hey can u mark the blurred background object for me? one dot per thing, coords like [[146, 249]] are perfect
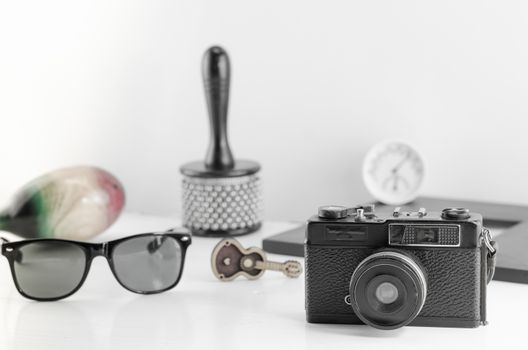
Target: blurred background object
[[113, 84], [70, 203], [221, 194], [393, 172]]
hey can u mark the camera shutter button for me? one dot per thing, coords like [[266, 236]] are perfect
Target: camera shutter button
[[455, 213], [333, 212]]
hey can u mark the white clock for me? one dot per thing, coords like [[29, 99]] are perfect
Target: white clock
[[393, 172]]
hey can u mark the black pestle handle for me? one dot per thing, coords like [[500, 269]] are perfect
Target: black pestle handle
[[216, 76]]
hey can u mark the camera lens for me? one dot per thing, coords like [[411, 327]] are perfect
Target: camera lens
[[388, 289], [386, 293]]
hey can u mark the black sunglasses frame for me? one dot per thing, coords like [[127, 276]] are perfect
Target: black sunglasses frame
[[92, 250]]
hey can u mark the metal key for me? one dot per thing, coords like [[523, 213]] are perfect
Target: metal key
[[230, 260]]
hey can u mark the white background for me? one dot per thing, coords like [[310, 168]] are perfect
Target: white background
[[315, 84]]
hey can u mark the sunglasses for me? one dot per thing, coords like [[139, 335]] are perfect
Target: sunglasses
[[51, 269]]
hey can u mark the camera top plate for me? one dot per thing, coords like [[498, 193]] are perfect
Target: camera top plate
[[367, 213], [362, 226]]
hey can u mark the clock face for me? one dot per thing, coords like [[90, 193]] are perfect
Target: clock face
[[393, 172]]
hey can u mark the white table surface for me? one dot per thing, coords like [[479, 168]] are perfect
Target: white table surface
[[204, 313]]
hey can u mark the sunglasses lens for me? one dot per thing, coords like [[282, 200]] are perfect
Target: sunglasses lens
[[148, 264], [48, 270]]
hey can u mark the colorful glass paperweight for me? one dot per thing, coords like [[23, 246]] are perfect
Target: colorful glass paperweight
[[71, 203]]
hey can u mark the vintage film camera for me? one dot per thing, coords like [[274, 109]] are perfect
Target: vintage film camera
[[388, 271]]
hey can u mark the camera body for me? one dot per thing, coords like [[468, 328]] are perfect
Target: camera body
[[394, 269]]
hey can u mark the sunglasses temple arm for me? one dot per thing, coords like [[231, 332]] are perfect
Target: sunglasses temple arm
[[153, 246], [177, 230], [18, 254]]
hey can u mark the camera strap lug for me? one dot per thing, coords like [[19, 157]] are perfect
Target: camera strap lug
[[491, 246]]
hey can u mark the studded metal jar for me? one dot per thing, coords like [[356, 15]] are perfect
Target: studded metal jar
[[222, 205]]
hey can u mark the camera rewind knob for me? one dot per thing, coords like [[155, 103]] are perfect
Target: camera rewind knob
[[360, 212], [333, 212]]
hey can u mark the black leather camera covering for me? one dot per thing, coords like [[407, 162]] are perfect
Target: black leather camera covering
[[454, 294]]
